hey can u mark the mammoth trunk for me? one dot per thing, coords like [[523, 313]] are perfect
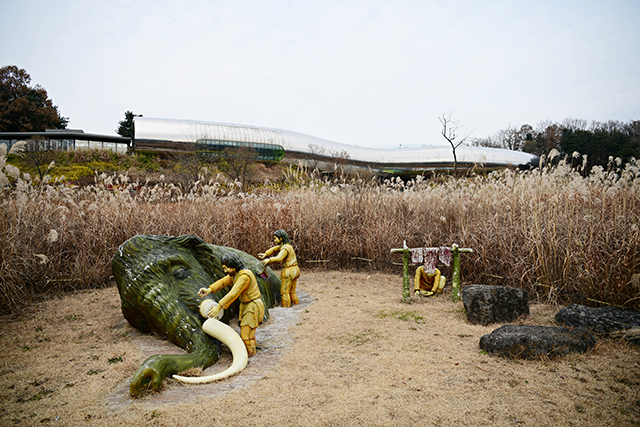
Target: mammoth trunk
[[156, 368], [172, 318]]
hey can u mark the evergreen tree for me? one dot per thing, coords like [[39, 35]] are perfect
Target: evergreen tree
[[125, 127]]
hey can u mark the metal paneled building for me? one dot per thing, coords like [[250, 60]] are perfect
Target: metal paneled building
[[301, 148]]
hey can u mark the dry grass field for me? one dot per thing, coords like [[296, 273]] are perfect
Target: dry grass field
[[351, 354], [563, 237]]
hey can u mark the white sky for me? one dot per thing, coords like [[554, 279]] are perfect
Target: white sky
[[369, 73]]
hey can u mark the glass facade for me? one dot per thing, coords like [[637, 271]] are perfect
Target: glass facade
[[66, 141], [256, 150], [156, 132]]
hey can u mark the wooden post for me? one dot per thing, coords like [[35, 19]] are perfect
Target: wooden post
[[406, 293], [455, 273], [455, 270], [406, 283]]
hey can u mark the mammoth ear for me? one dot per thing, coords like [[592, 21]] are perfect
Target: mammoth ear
[[203, 253]]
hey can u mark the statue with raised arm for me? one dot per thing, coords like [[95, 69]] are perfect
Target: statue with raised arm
[[290, 270], [245, 289]]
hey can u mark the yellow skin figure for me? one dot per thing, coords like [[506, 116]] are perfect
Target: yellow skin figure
[[245, 288], [290, 270], [428, 284]]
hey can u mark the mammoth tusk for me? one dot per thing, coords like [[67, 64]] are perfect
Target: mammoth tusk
[[207, 305], [225, 334]]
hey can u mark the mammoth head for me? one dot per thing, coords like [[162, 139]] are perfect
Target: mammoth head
[[152, 271]]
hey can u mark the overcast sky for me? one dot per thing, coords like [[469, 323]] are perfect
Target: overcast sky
[[369, 73]]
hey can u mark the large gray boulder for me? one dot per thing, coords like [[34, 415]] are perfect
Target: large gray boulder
[[494, 304], [608, 321], [532, 342]]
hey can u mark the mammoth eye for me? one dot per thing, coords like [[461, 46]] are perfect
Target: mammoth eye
[[181, 273]]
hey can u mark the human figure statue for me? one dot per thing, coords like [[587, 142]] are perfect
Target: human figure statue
[[290, 270], [245, 288], [428, 284]]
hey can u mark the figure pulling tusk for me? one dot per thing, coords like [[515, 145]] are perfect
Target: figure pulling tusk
[[225, 334]]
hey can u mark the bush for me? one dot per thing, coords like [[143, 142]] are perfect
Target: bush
[[148, 162], [70, 173]]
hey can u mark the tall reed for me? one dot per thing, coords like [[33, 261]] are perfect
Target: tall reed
[[563, 237]]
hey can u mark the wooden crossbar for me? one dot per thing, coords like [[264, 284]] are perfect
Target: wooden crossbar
[[455, 274]]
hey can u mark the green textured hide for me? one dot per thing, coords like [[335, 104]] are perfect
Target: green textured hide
[[158, 278]]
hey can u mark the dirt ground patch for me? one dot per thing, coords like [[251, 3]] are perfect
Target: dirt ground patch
[[350, 354]]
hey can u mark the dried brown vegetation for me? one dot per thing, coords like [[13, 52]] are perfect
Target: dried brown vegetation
[[564, 237]]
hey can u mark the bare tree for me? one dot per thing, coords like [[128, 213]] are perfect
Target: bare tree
[[450, 128], [575, 124], [489, 142], [317, 153], [510, 138], [238, 164], [188, 167], [340, 160], [39, 157]]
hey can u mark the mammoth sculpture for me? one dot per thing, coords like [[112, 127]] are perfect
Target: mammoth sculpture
[[158, 278]]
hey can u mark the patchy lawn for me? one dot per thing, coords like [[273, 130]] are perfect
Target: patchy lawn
[[350, 354]]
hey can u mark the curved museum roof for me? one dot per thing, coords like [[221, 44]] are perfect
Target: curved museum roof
[[190, 131]]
